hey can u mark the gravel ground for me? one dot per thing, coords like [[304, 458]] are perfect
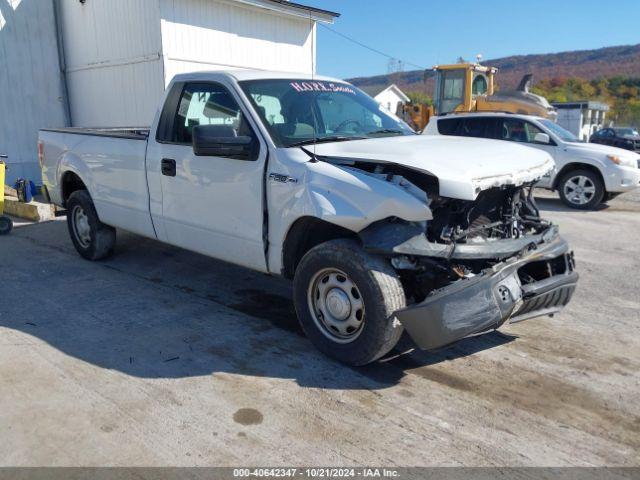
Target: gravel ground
[[162, 357]]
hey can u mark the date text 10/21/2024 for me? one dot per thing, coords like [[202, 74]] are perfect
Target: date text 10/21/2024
[[316, 472]]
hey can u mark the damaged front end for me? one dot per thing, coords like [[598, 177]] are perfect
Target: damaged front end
[[476, 264]]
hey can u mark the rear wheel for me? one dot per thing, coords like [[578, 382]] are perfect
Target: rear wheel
[[345, 300], [93, 239], [581, 189], [6, 224]]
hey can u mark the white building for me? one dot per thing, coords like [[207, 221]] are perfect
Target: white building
[[389, 98], [107, 62], [581, 118]]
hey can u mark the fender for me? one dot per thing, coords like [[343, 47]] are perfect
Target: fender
[[71, 162], [355, 205], [576, 161], [352, 199], [342, 196]]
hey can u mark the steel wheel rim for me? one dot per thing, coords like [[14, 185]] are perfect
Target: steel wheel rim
[[579, 190], [81, 227], [336, 305]]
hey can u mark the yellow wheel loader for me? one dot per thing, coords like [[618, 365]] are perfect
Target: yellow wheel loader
[[470, 87]]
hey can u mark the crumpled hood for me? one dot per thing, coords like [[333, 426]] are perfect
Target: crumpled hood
[[464, 166]]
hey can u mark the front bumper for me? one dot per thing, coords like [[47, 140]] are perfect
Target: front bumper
[[622, 179], [488, 300]]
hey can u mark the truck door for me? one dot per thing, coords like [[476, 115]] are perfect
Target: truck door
[[209, 204]]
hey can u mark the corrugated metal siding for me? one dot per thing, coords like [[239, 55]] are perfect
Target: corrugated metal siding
[[120, 96], [113, 61], [30, 82], [121, 54], [222, 34]]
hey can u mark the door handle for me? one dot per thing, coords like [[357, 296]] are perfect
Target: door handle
[[168, 167]]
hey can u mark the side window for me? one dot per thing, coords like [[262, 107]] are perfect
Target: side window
[[513, 130], [448, 126], [532, 131], [479, 85], [207, 104], [517, 130], [452, 90], [476, 127]]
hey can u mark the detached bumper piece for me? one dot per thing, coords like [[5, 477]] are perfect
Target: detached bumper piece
[[540, 283]]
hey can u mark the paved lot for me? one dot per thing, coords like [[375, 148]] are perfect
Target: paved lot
[[163, 357]]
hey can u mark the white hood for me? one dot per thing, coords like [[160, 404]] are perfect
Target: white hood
[[596, 148], [463, 166]]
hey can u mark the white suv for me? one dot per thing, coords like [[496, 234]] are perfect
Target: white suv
[[586, 173]]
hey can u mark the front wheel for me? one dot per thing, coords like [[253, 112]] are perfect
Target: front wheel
[[345, 300], [93, 239], [581, 189]]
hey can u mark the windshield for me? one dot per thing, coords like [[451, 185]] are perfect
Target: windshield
[[299, 112], [564, 135], [626, 131]]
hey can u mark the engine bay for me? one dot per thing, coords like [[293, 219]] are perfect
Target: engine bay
[[498, 213], [463, 239]]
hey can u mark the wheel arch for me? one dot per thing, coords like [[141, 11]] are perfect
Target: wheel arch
[[304, 234], [70, 182], [577, 166]]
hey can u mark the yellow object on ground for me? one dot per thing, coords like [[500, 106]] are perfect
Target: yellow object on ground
[[6, 224], [2, 167]]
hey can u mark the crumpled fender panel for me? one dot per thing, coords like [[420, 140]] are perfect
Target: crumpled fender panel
[[354, 200], [341, 196]]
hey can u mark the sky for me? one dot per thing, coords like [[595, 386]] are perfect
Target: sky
[[428, 32]]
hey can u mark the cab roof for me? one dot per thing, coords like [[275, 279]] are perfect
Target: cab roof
[[467, 66], [248, 74]]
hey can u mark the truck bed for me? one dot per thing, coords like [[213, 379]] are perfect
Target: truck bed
[[111, 162], [133, 133]]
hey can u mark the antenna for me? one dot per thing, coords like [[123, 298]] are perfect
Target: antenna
[[313, 68]]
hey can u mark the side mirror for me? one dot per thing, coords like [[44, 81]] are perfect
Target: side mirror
[[542, 138], [221, 141]]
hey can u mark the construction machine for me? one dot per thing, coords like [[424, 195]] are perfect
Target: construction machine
[[470, 87]]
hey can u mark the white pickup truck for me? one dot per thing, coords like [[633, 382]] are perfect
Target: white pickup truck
[[381, 230]]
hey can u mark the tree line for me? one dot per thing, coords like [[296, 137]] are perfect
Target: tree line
[[622, 94]]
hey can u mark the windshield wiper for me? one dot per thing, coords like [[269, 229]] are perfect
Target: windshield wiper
[[335, 138], [385, 130]]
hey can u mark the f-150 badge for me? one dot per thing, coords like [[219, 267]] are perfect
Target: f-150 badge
[[279, 177]]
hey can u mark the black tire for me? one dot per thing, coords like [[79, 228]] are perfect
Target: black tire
[[378, 286], [567, 181], [6, 224], [98, 241]]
